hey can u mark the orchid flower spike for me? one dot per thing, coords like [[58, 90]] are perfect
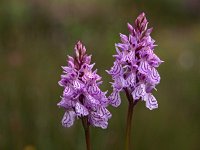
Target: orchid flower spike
[[135, 65], [82, 97]]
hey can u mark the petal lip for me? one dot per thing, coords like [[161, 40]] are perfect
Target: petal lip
[[68, 118], [151, 101], [115, 99]]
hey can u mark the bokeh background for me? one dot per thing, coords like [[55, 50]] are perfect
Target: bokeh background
[[37, 35]]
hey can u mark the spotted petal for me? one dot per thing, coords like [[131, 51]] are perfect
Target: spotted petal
[[100, 117], [68, 92], [151, 101], [68, 118], [81, 110], [128, 56], [155, 61], [78, 85], [116, 69], [154, 76], [66, 103], [139, 92], [91, 102], [131, 80], [115, 99], [94, 90], [119, 83], [144, 67]]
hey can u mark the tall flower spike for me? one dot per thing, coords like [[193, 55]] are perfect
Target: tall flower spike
[[82, 97], [135, 65], [134, 70]]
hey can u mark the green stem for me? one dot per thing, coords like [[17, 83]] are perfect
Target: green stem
[[131, 105], [87, 132]]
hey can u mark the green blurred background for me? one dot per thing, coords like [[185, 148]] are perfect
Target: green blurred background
[[37, 35]]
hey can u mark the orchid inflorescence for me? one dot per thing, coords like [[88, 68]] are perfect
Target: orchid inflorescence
[[135, 65], [82, 96]]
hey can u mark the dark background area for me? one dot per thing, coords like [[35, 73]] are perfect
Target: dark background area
[[37, 35]]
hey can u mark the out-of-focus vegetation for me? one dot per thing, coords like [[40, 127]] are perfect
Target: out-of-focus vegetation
[[36, 36]]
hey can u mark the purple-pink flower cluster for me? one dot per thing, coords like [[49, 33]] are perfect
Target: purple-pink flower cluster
[[82, 96], [135, 65]]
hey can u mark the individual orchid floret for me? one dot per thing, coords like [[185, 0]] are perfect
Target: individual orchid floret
[[82, 97], [134, 69]]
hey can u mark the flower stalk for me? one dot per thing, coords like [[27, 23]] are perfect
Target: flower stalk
[[131, 105], [128, 126], [86, 127]]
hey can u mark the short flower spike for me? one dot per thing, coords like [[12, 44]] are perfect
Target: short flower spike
[[82, 96]]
